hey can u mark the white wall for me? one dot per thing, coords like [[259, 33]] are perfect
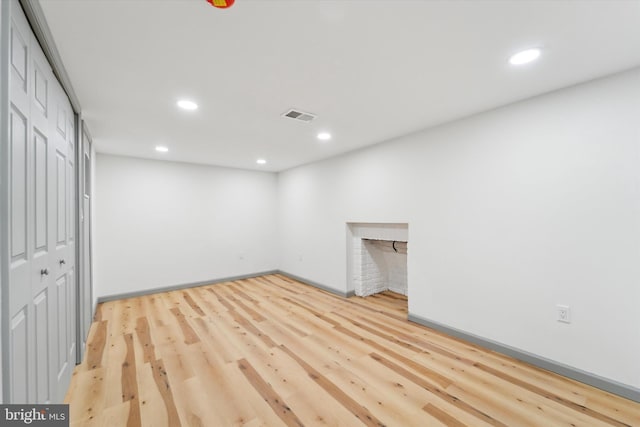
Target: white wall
[[510, 213], [163, 223]]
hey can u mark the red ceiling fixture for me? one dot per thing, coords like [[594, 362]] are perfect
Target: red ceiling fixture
[[221, 4]]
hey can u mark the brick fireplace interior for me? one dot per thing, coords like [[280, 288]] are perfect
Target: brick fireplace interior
[[378, 258]]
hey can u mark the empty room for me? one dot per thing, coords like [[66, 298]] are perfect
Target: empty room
[[320, 212]]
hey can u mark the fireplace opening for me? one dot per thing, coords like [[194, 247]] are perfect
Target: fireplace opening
[[378, 258], [383, 267]]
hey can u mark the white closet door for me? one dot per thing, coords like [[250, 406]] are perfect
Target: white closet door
[[21, 307], [40, 96], [41, 266]]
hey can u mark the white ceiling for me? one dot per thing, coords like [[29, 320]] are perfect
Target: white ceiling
[[370, 70]]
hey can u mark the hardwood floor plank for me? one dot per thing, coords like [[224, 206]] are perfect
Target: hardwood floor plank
[[276, 402], [130, 384], [209, 328], [442, 416], [437, 391], [86, 400], [217, 378], [97, 317], [144, 336], [365, 388], [162, 382], [152, 407], [518, 406], [128, 380], [270, 351], [190, 335], [551, 396], [359, 411], [170, 349], [405, 392], [117, 353], [406, 339], [195, 407], [202, 297], [251, 312], [157, 311], [95, 347], [192, 304], [116, 415], [248, 326], [220, 299], [429, 374], [240, 293]]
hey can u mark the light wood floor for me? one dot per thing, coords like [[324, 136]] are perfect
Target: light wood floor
[[270, 351]]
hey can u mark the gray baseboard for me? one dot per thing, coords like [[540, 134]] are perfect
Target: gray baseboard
[[181, 286], [594, 380], [318, 285]]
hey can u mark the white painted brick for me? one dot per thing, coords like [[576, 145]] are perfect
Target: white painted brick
[[377, 267]]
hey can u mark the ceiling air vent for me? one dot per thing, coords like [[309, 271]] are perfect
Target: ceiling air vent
[[299, 115]]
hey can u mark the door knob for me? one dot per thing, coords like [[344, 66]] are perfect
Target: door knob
[[44, 272], [62, 262]]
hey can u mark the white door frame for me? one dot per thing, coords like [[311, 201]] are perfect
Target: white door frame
[[4, 171], [84, 281]]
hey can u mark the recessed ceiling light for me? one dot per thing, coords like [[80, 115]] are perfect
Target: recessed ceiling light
[[185, 104], [161, 148], [525, 57], [324, 136], [261, 161]]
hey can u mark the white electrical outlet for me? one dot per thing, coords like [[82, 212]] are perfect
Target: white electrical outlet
[[564, 313]]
